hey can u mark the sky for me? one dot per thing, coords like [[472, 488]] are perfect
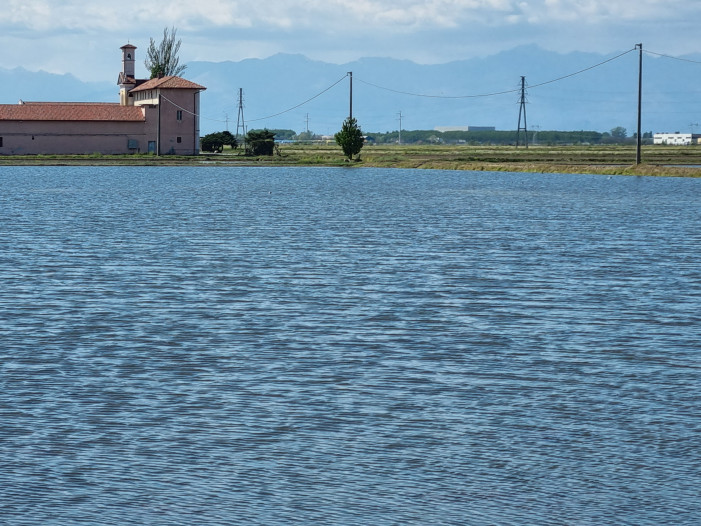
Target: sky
[[83, 37]]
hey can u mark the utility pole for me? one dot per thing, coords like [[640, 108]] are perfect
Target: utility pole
[[226, 116], [640, 105], [240, 123], [350, 113], [158, 127], [522, 110], [400, 127], [307, 121]]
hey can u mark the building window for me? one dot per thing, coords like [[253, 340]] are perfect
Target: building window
[[180, 139], [180, 115], [0, 142]]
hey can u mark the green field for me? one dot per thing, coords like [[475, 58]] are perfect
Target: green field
[[657, 160], [682, 161]]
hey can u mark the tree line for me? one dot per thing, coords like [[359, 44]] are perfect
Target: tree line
[[503, 137]]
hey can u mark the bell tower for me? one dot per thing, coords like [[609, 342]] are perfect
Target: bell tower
[[126, 77], [128, 59]]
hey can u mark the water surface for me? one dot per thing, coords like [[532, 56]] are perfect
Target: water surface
[[348, 346]]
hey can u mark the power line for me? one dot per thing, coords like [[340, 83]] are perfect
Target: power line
[[191, 112], [583, 70], [262, 118], [301, 103], [673, 58], [498, 92], [436, 96], [181, 108], [481, 95]]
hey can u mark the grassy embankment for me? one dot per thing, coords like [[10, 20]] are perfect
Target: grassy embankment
[[682, 161]]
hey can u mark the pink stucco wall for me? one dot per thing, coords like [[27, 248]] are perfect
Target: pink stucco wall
[[68, 137], [166, 130], [171, 128]]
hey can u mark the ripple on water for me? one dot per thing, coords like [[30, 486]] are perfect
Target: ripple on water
[[265, 346]]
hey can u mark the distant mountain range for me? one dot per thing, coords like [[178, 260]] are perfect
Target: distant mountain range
[[473, 92]]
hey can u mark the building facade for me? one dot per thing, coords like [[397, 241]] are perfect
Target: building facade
[[676, 139], [159, 116]]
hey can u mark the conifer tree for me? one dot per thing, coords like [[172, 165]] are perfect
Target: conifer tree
[[260, 142], [350, 138]]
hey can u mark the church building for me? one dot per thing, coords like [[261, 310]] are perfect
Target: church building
[[159, 116]]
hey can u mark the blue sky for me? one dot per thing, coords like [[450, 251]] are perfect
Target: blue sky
[[83, 37]]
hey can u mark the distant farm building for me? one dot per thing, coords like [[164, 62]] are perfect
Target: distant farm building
[[159, 116], [676, 138]]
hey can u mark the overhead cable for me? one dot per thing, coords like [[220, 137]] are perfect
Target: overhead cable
[[269, 116], [301, 103], [190, 112], [582, 70], [498, 92], [436, 96], [674, 58]]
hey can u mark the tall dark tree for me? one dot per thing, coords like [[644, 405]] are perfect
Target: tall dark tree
[[162, 59], [350, 138], [260, 142], [619, 132], [215, 142]]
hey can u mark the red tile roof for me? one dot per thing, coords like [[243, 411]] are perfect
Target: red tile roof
[[70, 111], [169, 82]]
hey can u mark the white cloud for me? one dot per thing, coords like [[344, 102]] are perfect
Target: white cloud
[[42, 15], [336, 30]]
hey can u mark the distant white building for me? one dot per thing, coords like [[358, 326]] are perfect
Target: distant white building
[[676, 138], [463, 128], [443, 129]]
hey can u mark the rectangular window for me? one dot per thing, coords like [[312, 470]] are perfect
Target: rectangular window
[[180, 115], [180, 139], [0, 142]]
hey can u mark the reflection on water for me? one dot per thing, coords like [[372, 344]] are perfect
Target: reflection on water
[[342, 346]]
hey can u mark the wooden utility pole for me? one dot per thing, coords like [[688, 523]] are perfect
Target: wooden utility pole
[[350, 113], [400, 127], [640, 105], [158, 127]]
